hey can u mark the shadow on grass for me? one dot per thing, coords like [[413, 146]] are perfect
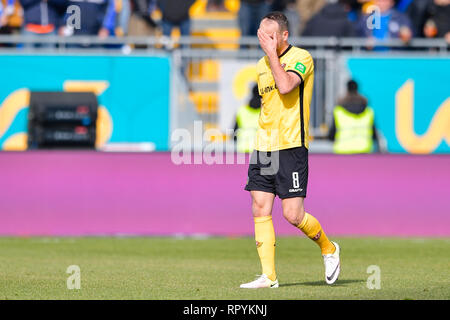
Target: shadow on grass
[[322, 283]]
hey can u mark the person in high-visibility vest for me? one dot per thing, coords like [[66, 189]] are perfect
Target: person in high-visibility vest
[[247, 123], [353, 126]]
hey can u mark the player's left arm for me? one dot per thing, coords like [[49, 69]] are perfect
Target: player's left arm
[[285, 81]]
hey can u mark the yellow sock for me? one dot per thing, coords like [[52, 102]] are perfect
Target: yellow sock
[[313, 230], [265, 244]]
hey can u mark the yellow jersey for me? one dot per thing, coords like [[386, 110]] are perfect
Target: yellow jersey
[[284, 119]]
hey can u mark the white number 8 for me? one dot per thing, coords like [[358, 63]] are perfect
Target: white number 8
[[295, 182]]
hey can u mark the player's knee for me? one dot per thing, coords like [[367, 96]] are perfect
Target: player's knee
[[294, 215], [260, 209]]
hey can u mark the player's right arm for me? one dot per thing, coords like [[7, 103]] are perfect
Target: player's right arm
[[285, 81]]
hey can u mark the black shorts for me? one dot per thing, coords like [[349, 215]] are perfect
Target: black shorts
[[283, 173]]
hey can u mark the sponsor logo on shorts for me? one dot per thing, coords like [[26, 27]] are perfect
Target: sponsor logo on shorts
[[296, 190]]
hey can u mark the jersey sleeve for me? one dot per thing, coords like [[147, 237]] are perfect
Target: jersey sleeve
[[301, 64]]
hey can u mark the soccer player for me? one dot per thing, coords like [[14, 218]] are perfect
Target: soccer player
[[279, 164]]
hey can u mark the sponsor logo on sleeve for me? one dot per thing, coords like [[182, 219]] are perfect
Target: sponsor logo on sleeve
[[300, 67]]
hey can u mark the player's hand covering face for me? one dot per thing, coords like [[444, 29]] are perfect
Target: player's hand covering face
[[268, 42]]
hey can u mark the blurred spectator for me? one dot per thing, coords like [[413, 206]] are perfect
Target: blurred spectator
[[12, 16], [141, 22], [416, 11], [250, 14], [353, 126], [393, 24], [175, 13], [402, 5], [5, 12], [437, 20], [289, 8], [216, 5], [307, 9], [247, 123], [123, 13], [355, 11], [42, 17], [331, 21], [97, 18]]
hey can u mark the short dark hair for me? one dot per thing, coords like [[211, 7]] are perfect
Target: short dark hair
[[352, 86], [278, 17]]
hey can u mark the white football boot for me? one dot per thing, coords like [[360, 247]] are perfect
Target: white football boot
[[332, 265], [261, 282]]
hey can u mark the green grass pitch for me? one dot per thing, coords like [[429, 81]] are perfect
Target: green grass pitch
[[213, 268]]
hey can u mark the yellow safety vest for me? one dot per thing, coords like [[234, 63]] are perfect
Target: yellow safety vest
[[247, 121], [354, 132]]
